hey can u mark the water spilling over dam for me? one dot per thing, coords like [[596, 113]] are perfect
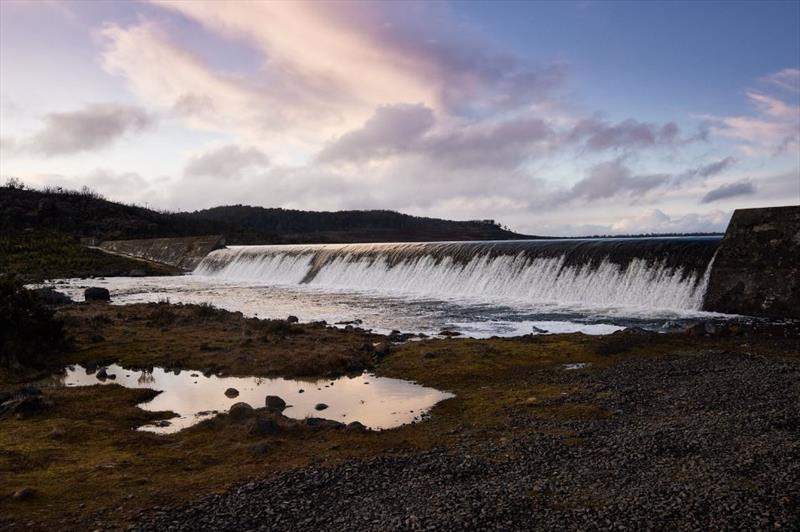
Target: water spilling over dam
[[666, 273]]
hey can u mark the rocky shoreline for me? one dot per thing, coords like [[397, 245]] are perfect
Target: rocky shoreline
[[685, 430], [695, 442]]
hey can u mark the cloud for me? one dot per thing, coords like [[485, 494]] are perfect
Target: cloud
[[375, 55], [501, 145], [226, 162], [392, 129], [95, 126], [613, 178], [774, 130], [656, 221], [788, 78], [600, 135], [405, 129], [732, 190], [702, 172]]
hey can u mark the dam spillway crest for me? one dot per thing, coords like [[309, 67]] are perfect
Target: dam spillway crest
[[653, 272]]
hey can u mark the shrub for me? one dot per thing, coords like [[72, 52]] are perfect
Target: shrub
[[28, 330]]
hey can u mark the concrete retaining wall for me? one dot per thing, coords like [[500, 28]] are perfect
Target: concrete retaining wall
[[185, 253], [757, 268]]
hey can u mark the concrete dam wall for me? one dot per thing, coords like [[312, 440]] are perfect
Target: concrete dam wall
[[757, 268], [184, 253]]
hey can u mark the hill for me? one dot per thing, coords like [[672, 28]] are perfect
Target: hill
[[84, 214], [294, 226]]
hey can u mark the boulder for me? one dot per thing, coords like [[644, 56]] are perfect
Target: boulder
[[231, 393], [48, 296], [355, 426], [321, 423], [102, 374], [240, 412], [23, 494], [263, 426], [320, 406], [275, 403], [24, 405], [383, 349], [292, 319], [96, 293]]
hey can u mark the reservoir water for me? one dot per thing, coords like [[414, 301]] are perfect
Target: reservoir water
[[479, 289]]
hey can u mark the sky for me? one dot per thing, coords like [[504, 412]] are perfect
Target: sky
[[558, 118]]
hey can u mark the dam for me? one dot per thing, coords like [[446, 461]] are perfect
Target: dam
[[669, 273], [752, 271]]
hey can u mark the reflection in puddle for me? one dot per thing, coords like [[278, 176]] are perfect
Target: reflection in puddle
[[377, 402]]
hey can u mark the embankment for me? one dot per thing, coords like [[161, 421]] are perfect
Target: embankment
[[757, 268], [184, 253]]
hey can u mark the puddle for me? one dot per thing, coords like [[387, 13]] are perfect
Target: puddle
[[377, 402], [577, 365]]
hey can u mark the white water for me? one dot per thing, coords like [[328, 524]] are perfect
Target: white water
[[484, 277], [478, 289]]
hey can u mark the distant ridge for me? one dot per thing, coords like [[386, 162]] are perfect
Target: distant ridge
[[306, 227], [85, 214]]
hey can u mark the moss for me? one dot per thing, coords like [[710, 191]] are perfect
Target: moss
[[503, 388]]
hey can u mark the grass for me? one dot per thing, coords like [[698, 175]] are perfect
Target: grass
[[503, 387], [40, 255]]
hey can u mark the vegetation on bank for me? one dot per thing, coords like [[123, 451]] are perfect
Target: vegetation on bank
[[86, 214], [81, 445], [37, 255], [29, 332]]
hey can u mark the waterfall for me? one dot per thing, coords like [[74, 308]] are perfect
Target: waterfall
[[669, 273]]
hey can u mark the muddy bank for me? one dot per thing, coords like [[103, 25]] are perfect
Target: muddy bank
[[649, 421], [697, 454]]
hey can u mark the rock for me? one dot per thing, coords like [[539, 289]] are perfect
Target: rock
[[355, 426], [48, 296], [231, 393], [322, 423], [292, 319], [449, 333], [429, 354], [263, 427], [96, 294], [136, 273], [275, 403], [301, 390], [56, 434], [23, 494], [383, 349], [102, 374], [320, 406], [240, 412], [24, 405]]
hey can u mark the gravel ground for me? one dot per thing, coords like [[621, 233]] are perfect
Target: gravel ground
[[696, 442]]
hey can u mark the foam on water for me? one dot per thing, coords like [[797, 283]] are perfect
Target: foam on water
[[547, 273]]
